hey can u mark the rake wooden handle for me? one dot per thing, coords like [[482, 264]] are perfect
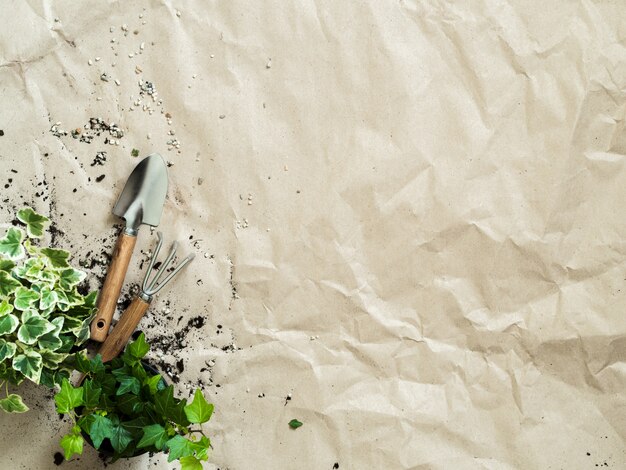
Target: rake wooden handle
[[107, 300], [123, 330]]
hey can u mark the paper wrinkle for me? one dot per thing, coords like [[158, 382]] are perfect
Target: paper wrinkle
[[432, 259]]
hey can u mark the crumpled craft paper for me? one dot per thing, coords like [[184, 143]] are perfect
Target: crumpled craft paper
[[408, 218]]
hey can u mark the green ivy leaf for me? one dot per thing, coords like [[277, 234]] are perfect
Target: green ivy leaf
[[68, 397], [199, 411], [120, 437], [72, 443], [6, 264], [294, 424], [100, 429], [154, 383], [33, 326], [50, 378], [129, 384], [56, 258], [25, 298], [180, 447], [166, 405], [30, 364], [13, 404], [91, 394], [8, 324], [69, 277], [11, 244], [8, 284], [7, 350], [190, 463], [153, 435], [35, 223], [52, 340], [139, 348], [205, 444], [129, 404]]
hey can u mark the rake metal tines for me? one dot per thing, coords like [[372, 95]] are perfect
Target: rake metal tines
[[154, 285]]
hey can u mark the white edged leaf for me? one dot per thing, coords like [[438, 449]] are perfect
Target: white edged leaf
[[51, 340], [35, 223], [52, 359], [11, 244], [7, 350], [13, 404], [8, 323], [47, 298], [30, 364], [25, 298], [69, 277], [33, 327], [8, 284], [56, 258]]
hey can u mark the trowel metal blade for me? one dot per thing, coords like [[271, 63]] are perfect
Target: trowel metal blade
[[142, 199]]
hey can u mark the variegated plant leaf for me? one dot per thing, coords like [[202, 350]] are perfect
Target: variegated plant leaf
[[33, 327], [11, 244]]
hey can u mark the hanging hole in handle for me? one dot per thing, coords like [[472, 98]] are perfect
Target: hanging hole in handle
[[100, 324]]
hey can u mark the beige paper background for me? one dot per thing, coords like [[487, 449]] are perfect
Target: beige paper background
[[437, 194]]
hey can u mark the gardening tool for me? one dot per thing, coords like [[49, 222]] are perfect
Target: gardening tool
[[141, 202], [129, 320]]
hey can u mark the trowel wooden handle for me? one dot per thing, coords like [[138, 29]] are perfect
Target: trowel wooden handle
[[123, 330], [107, 300]]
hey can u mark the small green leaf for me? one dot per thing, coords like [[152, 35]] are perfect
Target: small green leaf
[[205, 444], [180, 447], [199, 411], [166, 405], [56, 258], [139, 348], [68, 397], [72, 443], [120, 437], [8, 284], [33, 327], [11, 244], [294, 424], [69, 277], [91, 394], [134, 153], [35, 223], [25, 298], [52, 340], [6, 264], [153, 383], [30, 364], [129, 384], [190, 463], [51, 378], [13, 404], [8, 324], [153, 435], [7, 350], [101, 428]]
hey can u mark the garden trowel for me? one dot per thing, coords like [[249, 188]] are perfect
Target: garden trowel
[[141, 202]]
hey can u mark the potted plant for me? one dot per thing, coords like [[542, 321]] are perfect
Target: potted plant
[[43, 317], [124, 408]]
